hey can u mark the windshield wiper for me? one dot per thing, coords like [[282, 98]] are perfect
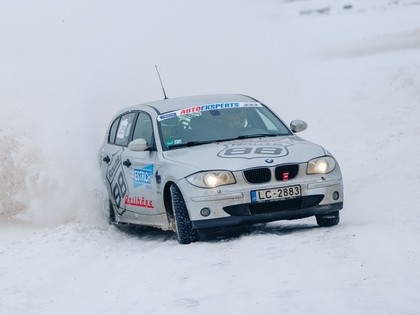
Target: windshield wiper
[[190, 144], [260, 135], [194, 143]]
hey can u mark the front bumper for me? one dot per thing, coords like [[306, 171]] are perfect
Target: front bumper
[[232, 205], [267, 217]]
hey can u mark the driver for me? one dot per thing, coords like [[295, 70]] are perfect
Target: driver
[[170, 128], [234, 119]]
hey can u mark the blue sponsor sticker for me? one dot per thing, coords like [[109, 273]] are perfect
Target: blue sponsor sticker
[[143, 176], [166, 116]]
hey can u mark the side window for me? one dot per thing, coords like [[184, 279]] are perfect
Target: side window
[[124, 129], [113, 131], [144, 129]]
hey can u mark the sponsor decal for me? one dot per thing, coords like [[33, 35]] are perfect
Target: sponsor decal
[[253, 152], [173, 142], [207, 107], [143, 176], [138, 202], [166, 116]]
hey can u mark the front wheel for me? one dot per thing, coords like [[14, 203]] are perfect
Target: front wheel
[[184, 229], [328, 219]]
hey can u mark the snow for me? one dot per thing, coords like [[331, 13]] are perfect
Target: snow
[[351, 69]]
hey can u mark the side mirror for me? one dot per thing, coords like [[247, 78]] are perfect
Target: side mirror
[[138, 145], [298, 125]]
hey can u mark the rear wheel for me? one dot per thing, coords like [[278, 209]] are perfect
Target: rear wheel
[[184, 229], [328, 219], [111, 214]]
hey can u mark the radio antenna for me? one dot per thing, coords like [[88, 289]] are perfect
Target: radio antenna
[[161, 84]]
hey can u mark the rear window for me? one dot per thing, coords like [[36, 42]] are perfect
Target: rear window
[[113, 131]]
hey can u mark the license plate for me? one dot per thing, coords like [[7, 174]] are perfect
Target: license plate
[[276, 193]]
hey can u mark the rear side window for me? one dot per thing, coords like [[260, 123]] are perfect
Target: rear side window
[[113, 131], [124, 129]]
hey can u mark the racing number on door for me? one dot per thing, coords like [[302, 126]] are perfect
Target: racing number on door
[[119, 190]]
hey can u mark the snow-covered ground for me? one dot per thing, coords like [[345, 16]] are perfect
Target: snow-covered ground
[[350, 68]]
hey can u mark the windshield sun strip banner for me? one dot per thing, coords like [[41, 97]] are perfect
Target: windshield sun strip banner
[[207, 107]]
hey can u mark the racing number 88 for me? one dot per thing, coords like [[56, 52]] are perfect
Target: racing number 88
[[249, 150], [119, 190]]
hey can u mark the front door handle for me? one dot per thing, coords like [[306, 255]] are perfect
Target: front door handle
[[127, 163]]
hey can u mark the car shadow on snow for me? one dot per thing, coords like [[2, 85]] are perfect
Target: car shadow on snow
[[215, 235], [233, 233], [146, 233]]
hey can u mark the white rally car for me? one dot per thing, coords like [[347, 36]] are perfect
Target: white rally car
[[213, 161]]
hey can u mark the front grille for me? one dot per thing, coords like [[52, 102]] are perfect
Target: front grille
[[274, 206], [258, 175], [291, 169]]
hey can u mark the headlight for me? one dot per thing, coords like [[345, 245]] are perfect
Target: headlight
[[211, 179], [323, 165]]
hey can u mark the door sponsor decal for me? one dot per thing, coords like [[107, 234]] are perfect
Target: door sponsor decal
[[250, 151], [143, 176], [138, 202]]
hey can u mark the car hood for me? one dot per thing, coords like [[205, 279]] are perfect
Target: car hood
[[242, 154]]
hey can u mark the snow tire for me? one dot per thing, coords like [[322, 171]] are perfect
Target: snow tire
[[184, 229], [328, 219], [111, 214]]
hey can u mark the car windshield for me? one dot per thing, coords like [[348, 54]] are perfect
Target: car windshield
[[218, 122]]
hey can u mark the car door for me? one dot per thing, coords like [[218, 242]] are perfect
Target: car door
[[139, 170], [112, 151]]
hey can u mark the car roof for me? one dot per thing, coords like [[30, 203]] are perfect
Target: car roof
[[170, 104]]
